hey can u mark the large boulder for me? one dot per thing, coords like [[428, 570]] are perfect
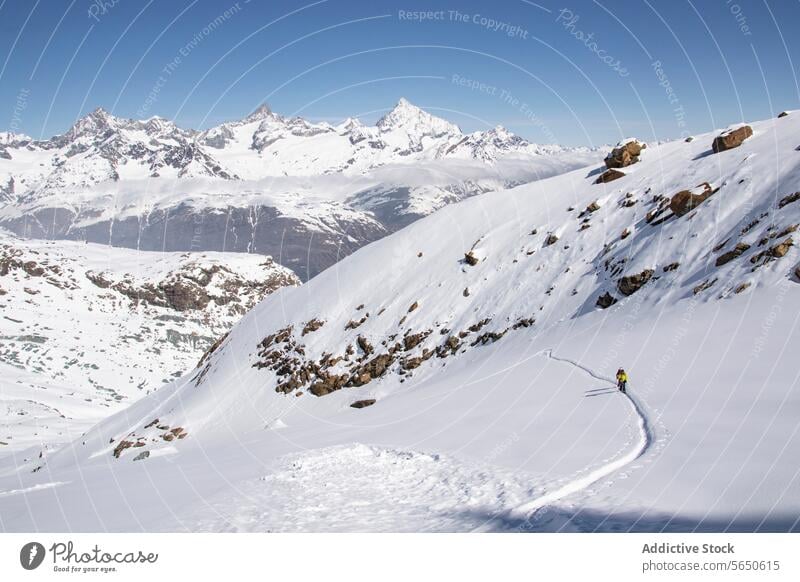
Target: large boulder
[[731, 138], [624, 154], [632, 283], [686, 200], [609, 176]]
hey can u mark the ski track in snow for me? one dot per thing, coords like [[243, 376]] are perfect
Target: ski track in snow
[[527, 511]]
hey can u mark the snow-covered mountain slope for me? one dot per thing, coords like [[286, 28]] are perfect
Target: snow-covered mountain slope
[[280, 186], [458, 374], [87, 329]]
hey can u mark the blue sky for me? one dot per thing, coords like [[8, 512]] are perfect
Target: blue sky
[[575, 72]]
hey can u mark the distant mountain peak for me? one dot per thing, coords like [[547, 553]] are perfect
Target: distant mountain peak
[[261, 112], [416, 121]]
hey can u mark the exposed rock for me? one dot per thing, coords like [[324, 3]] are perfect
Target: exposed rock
[[632, 283], [606, 300], [550, 240], [671, 267], [415, 362], [466, 292], [470, 258], [363, 403], [475, 327], [689, 139], [489, 337], [741, 287], [412, 340], [523, 322], [609, 176], [797, 273], [788, 230], [593, 207], [625, 234], [328, 383], [353, 324], [364, 345], [783, 114], [721, 245], [780, 249], [789, 199], [312, 325], [184, 295], [686, 200], [121, 447], [213, 348], [449, 347], [703, 286], [142, 456], [731, 138], [413, 306], [624, 154], [375, 368], [737, 251]]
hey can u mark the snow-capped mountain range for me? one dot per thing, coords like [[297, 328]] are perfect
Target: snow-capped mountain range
[[458, 375], [101, 147], [306, 193]]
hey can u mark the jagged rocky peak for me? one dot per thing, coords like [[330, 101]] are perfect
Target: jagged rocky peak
[[415, 121], [97, 122], [261, 113], [348, 125], [160, 126]]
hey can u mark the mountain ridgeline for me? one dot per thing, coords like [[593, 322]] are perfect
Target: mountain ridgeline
[[305, 193]]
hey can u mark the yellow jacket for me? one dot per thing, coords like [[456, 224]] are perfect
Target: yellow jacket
[[622, 377]]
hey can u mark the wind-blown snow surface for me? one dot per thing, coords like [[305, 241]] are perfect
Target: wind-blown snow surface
[[494, 401], [86, 329]]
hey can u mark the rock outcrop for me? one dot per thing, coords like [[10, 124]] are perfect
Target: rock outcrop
[[606, 300], [609, 176], [789, 199], [731, 138], [686, 200], [624, 154], [632, 283], [737, 251]]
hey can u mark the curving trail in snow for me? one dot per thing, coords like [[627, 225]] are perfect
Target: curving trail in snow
[[526, 511]]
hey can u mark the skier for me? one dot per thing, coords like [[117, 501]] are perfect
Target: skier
[[622, 380]]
